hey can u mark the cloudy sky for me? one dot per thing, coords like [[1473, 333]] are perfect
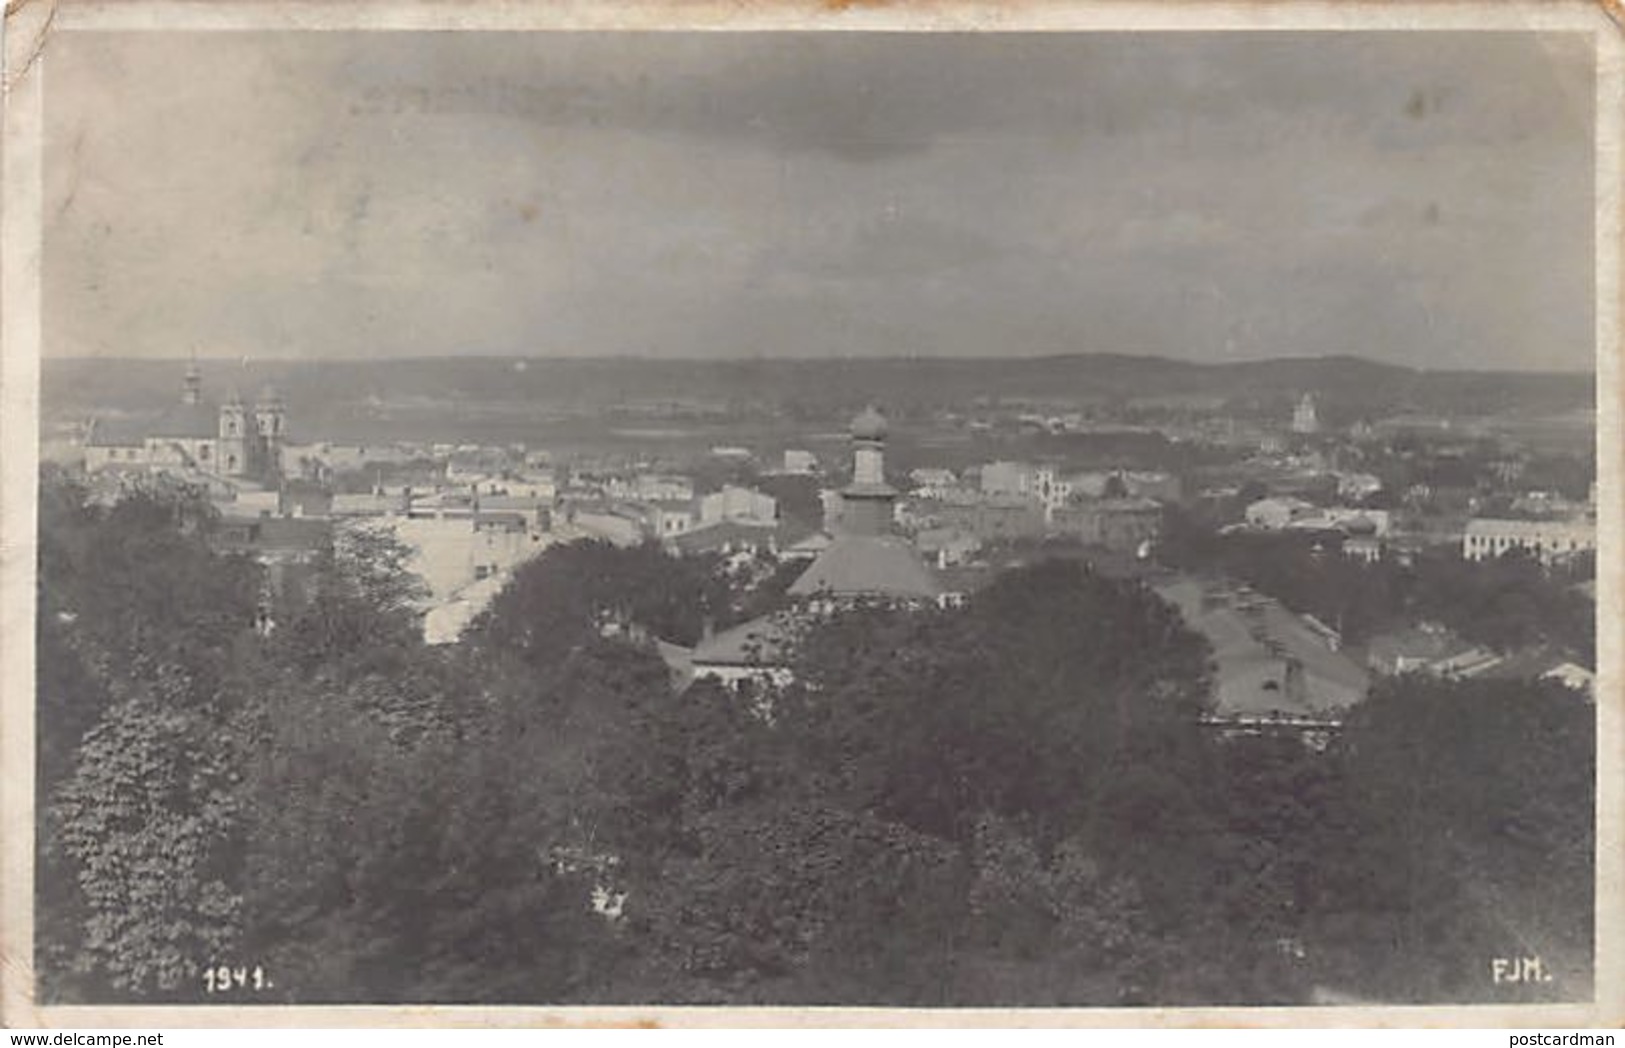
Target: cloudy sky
[[1418, 198]]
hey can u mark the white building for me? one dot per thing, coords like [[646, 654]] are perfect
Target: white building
[[1009, 478], [669, 519], [1547, 539], [932, 483], [740, 505], [797, 461], [453, 551], [1275, 513], [1357, 486], [656, 487], [1305, 419], [1376, 522]]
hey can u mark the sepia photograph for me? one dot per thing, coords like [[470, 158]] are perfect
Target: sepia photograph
[[811, 510]]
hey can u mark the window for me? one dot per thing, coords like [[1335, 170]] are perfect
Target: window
[[203, 452]]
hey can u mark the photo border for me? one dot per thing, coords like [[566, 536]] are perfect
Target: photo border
[[29, 27]]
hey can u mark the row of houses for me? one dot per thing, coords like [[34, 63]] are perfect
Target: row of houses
[[1435, 651], [1044, 483], [1548, 540]]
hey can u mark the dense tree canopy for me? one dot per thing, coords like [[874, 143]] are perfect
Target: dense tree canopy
[[1012, 802], [1505, 603], [558, 601]]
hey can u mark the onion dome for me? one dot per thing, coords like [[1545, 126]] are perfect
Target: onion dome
[[871, 425]]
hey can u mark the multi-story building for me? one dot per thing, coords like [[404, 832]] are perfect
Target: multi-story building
[[740, 505], [1549, 540], [1122, 525]]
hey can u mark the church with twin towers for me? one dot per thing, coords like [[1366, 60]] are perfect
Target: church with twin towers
[[232, 440]]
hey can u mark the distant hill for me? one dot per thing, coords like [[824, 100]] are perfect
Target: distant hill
[[338, 397]]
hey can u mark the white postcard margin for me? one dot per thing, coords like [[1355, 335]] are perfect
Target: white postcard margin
[[27, 30]]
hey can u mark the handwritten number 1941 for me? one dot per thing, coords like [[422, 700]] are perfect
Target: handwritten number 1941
[[224, 979]]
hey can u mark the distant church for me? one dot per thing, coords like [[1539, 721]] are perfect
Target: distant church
[[231, 441], [865, 563], [1305, 417]]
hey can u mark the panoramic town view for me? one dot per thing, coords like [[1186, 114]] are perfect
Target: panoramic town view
[[944, 636]]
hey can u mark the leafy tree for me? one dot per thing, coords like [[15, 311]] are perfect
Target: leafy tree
[[359, 607], [453, 861], [1012, 802], [1019, 704], [1463, 833], [759, 595], [1506, 603], [142, 629], [777, 888], [149, 818], [573, 593]]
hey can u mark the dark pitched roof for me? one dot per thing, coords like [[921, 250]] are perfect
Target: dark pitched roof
[[868, 565], [766, 641], [1526, 664], [265, 534], [116, 433], [869, 490], [189, 421], [724, 533], [1413, 642]]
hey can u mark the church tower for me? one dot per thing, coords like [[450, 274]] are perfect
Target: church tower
[[270, 423], [866, 561], [192, 388], [867, 503], [1305, 419], [236, 460]]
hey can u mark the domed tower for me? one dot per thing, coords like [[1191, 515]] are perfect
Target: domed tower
[[865, 561], [192, 388], [270, 423], [866, 504], [236, 458], [1305, 418]]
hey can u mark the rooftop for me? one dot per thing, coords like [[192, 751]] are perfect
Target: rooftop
[[187, 421], [1255, 640], [116, 433], [766, 641], [264, 534], [868, 565]]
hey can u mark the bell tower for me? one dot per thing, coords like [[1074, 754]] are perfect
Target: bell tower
[[236, 459], [192, 387], [270, 424], [867, 503]]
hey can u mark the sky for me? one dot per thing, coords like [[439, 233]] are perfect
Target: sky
[[1417, 198]]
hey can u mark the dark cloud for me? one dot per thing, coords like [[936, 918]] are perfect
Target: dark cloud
[[1417, 197]]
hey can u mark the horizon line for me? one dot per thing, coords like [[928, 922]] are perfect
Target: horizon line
[[898, 358]]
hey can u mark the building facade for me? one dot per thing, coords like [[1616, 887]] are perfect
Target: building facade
[[1549, 540], [233, 440]]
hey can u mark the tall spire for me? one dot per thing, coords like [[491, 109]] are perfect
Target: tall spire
[[192, 390]]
